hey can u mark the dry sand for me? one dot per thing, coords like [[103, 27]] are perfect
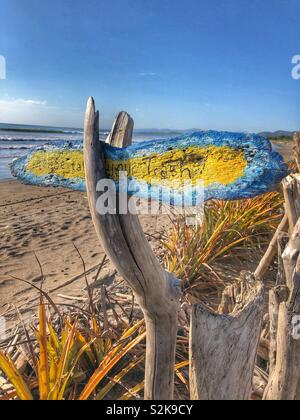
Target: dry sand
[[47, 221], [285, 149]]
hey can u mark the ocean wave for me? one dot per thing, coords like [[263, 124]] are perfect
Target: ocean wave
[[41, 130], [73, 132], [35, 139], [19, 147], [11, 156]]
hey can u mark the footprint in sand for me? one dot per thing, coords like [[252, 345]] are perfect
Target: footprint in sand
[[6, 282]]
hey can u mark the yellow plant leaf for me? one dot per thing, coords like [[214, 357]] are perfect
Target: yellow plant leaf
[[106, 365], [14, 376], [105, 390], [134, 391], [43, 366]]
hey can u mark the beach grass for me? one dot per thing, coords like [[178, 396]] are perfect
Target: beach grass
[[72, 357], [230, 232]]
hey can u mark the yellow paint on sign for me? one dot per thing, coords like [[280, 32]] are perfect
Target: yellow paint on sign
[[67, 164], [212, 164]]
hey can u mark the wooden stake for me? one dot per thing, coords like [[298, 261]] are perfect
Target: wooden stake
[[271, 251], [291, 191], [284, 382], [123, 240], [297, 149], [122, 130]]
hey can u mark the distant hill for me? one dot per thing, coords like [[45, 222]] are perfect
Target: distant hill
[[269, 134], [157, 131], [277, 134]]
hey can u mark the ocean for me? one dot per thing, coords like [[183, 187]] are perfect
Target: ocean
[[15, 140]]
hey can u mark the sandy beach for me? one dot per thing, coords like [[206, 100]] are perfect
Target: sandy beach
[[46, 222], [285, 149]]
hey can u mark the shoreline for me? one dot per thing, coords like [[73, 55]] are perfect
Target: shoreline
[[285, 149]]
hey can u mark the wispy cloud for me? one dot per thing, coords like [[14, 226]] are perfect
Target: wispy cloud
[[20, 101], [146, 74], [20, 109], [30, 102], [37, 111]]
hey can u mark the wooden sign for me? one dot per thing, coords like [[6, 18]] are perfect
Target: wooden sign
[[230, 165]]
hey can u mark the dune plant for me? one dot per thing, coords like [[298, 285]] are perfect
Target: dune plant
[[74, 362], [230, 230]]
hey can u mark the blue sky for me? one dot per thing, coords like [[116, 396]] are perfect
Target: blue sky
[[211, 64]]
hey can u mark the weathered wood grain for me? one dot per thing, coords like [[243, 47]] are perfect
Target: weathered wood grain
[[123, 240], [297, 149], [271, 251], [122, 130], [284, 382], [291, 191], [223, 347]]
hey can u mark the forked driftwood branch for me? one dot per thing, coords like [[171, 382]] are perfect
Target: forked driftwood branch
[[291, 190], [223, 346], [123, 240], [284, 382], [271, 250], [284, 301]]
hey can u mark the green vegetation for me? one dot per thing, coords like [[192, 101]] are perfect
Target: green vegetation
[[33, 130], [80, 355], [231, 230], [282, 138], [75, 359]]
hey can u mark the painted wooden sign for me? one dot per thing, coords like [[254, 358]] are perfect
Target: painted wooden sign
[[230, 165]]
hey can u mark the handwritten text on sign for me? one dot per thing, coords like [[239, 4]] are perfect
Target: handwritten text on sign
[[231, 165]]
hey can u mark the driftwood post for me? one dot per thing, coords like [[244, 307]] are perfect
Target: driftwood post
[[122, 238], [297, 149], [223, 346], [271, 250], [291, 192], [284, 302], [284, 382]]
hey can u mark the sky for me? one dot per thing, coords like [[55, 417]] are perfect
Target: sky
[[208, 64]]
